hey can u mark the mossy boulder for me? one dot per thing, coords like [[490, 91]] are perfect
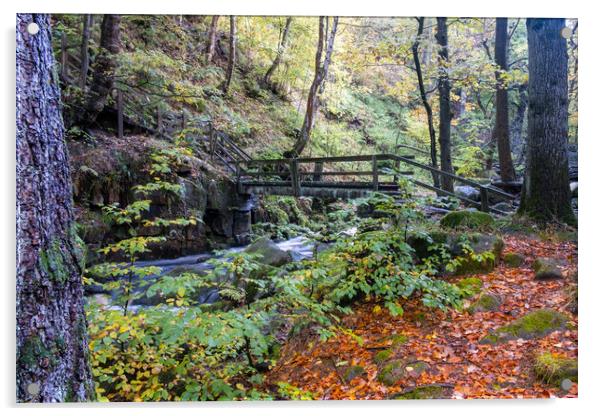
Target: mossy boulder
[[352, 372], [535, 324], [269, 253], [470, 285], [547, 269], [554, 368], [382, 356], [486, 302], [392, 372], [467, 219], [486, 252], [425, 392], [513, 259]]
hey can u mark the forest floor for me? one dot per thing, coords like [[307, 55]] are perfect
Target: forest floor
[[442, 349]]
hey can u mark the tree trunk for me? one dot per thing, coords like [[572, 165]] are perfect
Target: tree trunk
[[445, 115], [212, 39], [502, 122], [85, 56], [546, 195], [279, 53], [52, 345], [232, 56], [425, 101], [325, 40], [516, 127], [103, 69]]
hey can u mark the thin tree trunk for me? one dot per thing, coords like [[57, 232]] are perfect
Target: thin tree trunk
[[103, 69], [232, 56], [502, 121], [212, 39], [325, 41], [516, 127], [445, 115], [546, 195], [52, 346], [425, 101], [279, 53], [85, 56]]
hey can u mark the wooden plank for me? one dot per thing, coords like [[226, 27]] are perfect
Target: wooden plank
[[318, 171], [332, 159]]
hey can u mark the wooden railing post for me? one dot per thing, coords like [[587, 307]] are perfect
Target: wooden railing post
[[396, 166], [318, 169], [374, 173], [119, 113], [484, 199], [294, 168]]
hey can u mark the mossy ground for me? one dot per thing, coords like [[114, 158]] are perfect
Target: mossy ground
[[485, 302], [424, 392], [513, 259], [467, 219], [553, 368], [532, 325]]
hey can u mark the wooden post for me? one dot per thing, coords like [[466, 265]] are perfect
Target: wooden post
[[64, 56], [397, 165], [318, 169], [159, 121], [238, 182], [484, 199], [374, 173], [119, 113], [294, 168]]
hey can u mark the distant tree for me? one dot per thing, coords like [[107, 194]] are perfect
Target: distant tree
[[52, 345], [424, 98], [445, 115], [85, 56], [232, 55], [546, 195], [322, 62], [103, 69], [502, 118], [212, 39], [282, 44]]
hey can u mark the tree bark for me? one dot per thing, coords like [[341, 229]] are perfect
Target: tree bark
[[516, 127], [85, 56], [326, 46], [445, 115], [502, 122], [232, 55], [279, 53], [52, 346], [212, 39], [103, 69], [545, 194], [425, 101]]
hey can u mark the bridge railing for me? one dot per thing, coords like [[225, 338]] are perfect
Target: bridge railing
[[287, 172]]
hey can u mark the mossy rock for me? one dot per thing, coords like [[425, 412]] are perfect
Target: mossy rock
[[535, 324], [470, 285], [547, 269], [352, 372], [392, 372], [382, 356], [513, 259], [487, 302], [425, 392], [399, 339], [269, 253], [554, 368], [467, 219], [486, 253]]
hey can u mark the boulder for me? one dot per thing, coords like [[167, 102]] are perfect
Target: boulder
[[352, 372], [468, 192], [535, 324], [433, 391], [467, 219], [487, 251], [382, 356], [504, 207], [546, 268], [513, 259], [487, 302], [395, 370], [554, 368], [269, 253]]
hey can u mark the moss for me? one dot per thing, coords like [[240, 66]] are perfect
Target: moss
[[52, 262], [398, 339], [535, 324], [546, 269], [34, 353], [513, 259], [352, 372], [467, 219], [553, 368], [485, 302], [382, 356], [423, 392], [470, 285], [392, 372]]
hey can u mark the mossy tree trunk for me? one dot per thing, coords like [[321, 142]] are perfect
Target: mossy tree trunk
[[52, 347], [279, 52], [546, 195], [232, 55], [212, 39], [445, 115], [85, 56]]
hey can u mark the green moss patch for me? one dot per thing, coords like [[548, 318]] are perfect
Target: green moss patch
[[513, 259], [487, 302], [467, 219], [535, 324], [554, 368], [547, 269], [425, 392], [392, 372], [352, 372], [382, 356]]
